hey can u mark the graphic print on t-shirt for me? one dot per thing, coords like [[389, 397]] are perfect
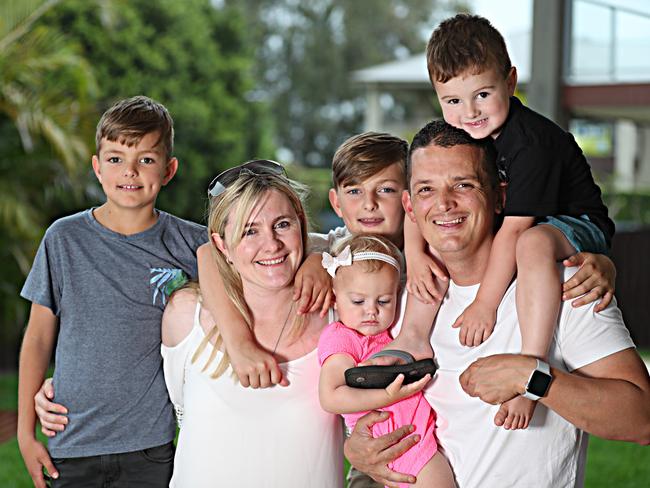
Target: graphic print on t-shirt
[[165, 281]]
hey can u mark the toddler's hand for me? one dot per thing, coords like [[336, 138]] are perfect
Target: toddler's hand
[[426, 279], [595, 278], [255, 367], [397, 391], [476, 323], [313, 287]]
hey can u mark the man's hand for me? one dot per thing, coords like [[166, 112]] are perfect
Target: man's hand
[[425, 278], [595, 278], [497, 379], [372, 455], [312, 287], [476, 323], [255, 367], [36, 457], [52, 416]]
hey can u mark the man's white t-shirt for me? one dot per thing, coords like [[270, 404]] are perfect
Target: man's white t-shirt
[[551, 452]]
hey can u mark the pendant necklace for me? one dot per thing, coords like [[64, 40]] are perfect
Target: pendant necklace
[[275, 348]]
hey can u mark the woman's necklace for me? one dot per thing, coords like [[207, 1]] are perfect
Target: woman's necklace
[[275, 348]]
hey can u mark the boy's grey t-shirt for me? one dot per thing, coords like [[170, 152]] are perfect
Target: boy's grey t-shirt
[[109, 291]]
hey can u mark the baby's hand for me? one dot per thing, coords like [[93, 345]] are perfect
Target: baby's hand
[[397, 391], [595, 278], [313, 287], [425, 278], [476, 323], [255, 367]]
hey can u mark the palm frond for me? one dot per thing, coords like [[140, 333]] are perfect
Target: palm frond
[[16, 18]]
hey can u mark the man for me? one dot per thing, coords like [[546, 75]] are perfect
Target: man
[[596, 382]]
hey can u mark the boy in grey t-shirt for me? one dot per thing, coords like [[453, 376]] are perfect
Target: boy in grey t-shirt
[[100, 281]]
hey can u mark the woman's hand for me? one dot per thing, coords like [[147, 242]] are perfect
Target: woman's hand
[[313, 287], [52, 416], [595, 278], [371, 455]]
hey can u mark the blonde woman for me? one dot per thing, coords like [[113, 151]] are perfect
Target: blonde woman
[[235, 436]]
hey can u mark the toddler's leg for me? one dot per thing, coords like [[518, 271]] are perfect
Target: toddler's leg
[[539, 288], [539, 294], [436, 472]]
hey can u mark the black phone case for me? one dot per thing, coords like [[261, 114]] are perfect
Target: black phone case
[[381, 376]]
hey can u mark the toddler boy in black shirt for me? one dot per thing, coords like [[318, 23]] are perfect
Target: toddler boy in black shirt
[[548, 181]]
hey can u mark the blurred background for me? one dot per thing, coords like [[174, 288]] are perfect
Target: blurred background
[[290, 80]]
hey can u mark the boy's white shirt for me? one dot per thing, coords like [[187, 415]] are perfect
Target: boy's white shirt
[[325, 242]]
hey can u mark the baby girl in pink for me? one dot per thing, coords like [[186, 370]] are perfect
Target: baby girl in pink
[[366, 277]]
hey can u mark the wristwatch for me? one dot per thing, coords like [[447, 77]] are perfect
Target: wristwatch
[[538, 382]]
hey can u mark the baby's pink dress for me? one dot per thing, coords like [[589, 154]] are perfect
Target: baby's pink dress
[[337, 338]]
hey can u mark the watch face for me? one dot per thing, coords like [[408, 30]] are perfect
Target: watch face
[[539, 383]]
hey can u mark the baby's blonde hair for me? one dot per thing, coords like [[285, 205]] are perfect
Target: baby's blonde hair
[[236, 203]]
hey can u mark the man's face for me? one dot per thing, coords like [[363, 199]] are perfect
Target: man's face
[[477, 103], [450, 201], [373, 206]]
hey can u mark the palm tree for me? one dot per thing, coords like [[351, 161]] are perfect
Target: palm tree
[[46, 88]]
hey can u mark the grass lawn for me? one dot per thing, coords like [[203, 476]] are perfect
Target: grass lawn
[[610, 463]]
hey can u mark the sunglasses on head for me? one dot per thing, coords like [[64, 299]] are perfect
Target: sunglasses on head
[[257, 167]]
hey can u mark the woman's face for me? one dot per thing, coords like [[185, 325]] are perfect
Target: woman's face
[[271, 248]]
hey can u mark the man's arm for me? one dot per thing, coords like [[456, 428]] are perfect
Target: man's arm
[[609, 398], [35, 354]]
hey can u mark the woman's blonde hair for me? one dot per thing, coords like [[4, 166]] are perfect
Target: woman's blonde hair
[[236, 204], [369, 243]]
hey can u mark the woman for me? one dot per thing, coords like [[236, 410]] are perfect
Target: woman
[[235, 436]]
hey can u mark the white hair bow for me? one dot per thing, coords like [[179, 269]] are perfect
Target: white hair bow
[[331, 263]]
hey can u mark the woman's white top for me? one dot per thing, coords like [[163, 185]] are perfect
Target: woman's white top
[[242, 437]]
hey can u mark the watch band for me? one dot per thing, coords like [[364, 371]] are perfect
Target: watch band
[[542, 368]]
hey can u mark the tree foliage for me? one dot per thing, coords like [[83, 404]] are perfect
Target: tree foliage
[[45, 90], [63, 62], [306, 52], [192, 57]]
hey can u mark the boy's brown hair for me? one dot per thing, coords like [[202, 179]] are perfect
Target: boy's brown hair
[[365, 155], [129, 120], [466, 43]]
